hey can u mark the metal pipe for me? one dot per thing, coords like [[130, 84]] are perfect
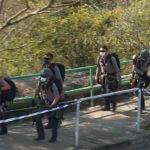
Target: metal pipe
[[139, 110], [68, 70], [109, 94], [91, 85], [70, 91], [77, 124]]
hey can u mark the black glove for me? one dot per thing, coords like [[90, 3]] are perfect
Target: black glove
[[51, 106]]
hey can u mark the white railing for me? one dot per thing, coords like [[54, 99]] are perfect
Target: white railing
[[78, 103], [104, 95]]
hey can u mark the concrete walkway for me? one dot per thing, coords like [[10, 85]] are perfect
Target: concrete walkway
[[98, 130]]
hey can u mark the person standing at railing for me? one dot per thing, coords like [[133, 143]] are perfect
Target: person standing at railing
[[7, 94], [140, 78], [59, 73], [108, 75], [49, 95]]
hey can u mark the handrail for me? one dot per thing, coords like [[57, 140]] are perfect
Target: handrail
[[67, 70], [89, 88], [79, 102], [72, 91]]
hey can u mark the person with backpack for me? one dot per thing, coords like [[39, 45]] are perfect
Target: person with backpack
[[7, 94], [59, 74], [108, 75], [58, 70], [139, 77], [49, 95]]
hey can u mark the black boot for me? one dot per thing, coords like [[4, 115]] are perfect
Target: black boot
[[52, 140], [39, 138], [114, 106], [107, 104], [106, 109]]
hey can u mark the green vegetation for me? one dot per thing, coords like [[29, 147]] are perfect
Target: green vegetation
[[74, 34]]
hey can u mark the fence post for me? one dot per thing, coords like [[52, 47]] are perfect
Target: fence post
[[139, 109], [77, 124], [91, 85]]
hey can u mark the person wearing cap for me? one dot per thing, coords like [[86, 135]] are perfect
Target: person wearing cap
[[58, 78], [48, 64], [141, 62], [108, 75], [47, 60], [49, 95]]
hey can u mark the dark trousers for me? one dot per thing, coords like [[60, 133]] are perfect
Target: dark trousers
[[3, 125], [54, 123], [59, 118], [108, 100], [140, 85], [142, 82], [4, 128], [108, 87], [142, 102]]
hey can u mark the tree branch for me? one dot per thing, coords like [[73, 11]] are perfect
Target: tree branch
[[48, 6], [1, 5], [5, 37], [15, 48], [8, 22], [11, 22], [93, 5], [20, 47]]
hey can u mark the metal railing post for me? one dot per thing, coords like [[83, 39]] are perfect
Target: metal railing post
[[77, 124], [91, 85], [139, 110]]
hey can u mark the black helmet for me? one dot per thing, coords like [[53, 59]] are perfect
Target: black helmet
[[46, 72], [145, 53]]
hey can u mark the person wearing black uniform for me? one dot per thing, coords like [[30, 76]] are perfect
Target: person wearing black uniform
[[140, 77], [59, 79], [7, 94], [49, 95], [108, 75]]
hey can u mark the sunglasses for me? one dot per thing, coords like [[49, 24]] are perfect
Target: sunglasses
[[102, 51]]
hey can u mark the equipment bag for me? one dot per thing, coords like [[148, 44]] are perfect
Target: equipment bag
[[61, 69], [116, 57]]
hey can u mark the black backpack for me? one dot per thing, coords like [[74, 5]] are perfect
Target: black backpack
[[116, 57], [61, 69], [9, 95]]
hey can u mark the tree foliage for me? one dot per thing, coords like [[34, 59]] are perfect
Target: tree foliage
[[73, 32]]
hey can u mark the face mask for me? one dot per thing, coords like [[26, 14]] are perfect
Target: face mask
[[43, 79], [102, 53], [46, 61]]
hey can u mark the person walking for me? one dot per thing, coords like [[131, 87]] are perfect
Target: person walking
[[140, 77], [50, 96], [108, 75]]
